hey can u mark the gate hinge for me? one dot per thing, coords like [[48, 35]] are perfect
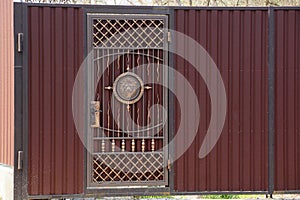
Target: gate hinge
[[20, 160], [169, 36], [169, 165], [20, 42]]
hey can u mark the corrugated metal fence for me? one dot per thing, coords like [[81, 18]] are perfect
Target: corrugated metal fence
[[240, 43], [237, 41], [55, 151], [287, 94]]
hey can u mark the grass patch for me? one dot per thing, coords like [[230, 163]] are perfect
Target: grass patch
[[232, 196], [153, 197], [221, 196]]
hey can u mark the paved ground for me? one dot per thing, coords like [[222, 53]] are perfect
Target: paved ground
[[259, 197], [275, 197]]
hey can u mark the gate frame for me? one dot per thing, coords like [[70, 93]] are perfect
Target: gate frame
[[119, 10], [90, 88]]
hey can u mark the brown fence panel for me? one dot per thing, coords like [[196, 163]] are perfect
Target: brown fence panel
[[6, 83], [55, 164], [237, 41], [287, 99]]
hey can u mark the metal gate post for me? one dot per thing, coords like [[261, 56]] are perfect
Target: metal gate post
[[271, 101], [21, 101]]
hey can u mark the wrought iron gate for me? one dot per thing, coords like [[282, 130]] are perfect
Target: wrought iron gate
[[128, 133]]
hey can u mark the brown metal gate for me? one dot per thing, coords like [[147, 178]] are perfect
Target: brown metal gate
[[255, 50], [127, 134]]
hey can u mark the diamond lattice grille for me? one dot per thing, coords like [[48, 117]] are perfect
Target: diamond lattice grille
[[128, 167], [131, 33]]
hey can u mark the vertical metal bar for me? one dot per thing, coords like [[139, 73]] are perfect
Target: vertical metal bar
[[98, 98], [171, 108], [128, 106], [133, 105], [271, 101], [94, 73], [165, 77], [153, 99], [143, 104], [159, 97], [90, 91], [87, 158], [119, 107], [113, 103], [108, 134], [148, 101], [138, 110], [123, 145], [103, 98]]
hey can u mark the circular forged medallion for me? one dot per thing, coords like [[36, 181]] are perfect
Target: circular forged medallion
[[128, 88]]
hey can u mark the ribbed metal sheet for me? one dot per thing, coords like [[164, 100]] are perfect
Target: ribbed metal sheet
[[56, 51], [237, 42], [6, 83], [287, 100]]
